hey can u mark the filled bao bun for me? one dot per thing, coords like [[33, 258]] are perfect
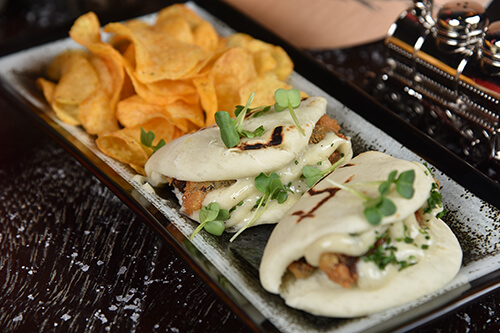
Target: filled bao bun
[[322, 256], [203, 170]]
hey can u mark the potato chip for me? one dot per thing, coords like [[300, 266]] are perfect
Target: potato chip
[[188, 117], [67, 95], [125, 144], [268, 57], [159, 56], [78, 70], [206, 37], [97, 115], [176, 27], [203, 32], [86, 29], [68, 113], [178, 10], [106, 79], [163, 92], [106, 60], [233, 69], [59, 64], [135, 111], [174, 88], [208, 97], [264, 87], [47, 88], [169, 77]]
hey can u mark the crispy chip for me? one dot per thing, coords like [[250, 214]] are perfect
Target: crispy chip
[[59, 64], [165, 91], [208, 97], [268, 57], [86, 29], [67, 95], [169, 77], [125, 145], [233, 69], [106, 60], [178, 10], [68, 113], [135, 111], [47, 88], [264, 87], [96, 114], [204, 34], [176, 27], [77, 69], [206, 37], [188, 117], [159, 56]]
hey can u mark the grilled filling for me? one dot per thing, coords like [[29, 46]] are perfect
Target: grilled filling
[[193, 193], [340, 268]]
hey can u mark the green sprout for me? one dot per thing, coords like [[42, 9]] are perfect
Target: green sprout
[[147, 139], [273, 189], [288, 99], [381, 206], [212, 219], [313, 174], [231, 130]]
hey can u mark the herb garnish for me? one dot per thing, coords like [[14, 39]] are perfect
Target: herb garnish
[[313, 175], [147, 139], [288, 99], [382, 253], [231, 130], [212, 218], [378, 207], [435, 199], [273, 189]]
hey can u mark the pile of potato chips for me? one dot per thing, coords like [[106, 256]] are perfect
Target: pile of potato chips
[[169, 77]]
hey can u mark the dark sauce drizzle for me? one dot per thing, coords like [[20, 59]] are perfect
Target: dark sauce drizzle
[[276, 140], [331, 192]]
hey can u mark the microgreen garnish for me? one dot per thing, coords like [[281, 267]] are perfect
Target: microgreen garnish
[[313, 174], [212, 218], [378, 207], [231, 130], [273, 189], [147, 139], [435, 200], [383, 254], [288, 99]]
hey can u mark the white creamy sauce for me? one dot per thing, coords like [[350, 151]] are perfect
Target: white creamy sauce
[[407, 238], [242, 196]]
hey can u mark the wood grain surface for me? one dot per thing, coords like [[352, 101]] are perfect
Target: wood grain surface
[[74, 258]]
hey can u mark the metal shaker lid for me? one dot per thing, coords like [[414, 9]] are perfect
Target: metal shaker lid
[[460, 25], [490, 49]]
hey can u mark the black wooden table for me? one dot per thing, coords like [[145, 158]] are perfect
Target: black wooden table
[[74, 258]]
